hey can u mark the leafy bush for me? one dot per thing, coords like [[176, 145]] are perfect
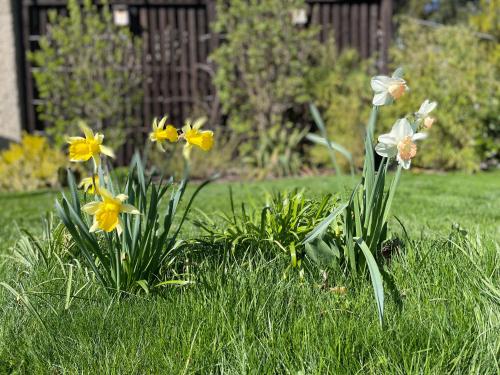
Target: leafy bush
[[88, 69], [261, 67], [448, 64], [30, 165], [338, 87]]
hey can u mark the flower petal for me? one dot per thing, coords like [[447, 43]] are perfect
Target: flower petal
[[401, 129], [89, 134], [129, 209], [404, 163], [91, 208], [122, 197], [388, 139], [198, 123], [381, 98], [386, 150], [380, 83], [95, 226], [419, 136], [107, 151]]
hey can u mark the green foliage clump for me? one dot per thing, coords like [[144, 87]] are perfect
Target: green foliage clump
[[88, 69], [448, 64], [279, 227], [30, 165], [338, 87]]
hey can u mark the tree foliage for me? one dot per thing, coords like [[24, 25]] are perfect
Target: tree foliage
[[87, 69]]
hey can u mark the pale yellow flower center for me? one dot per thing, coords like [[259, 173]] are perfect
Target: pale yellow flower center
[[407, 149], [396, 90], [428, 122]]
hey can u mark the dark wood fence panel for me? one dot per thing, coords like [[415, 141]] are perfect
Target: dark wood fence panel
[[177, 42]]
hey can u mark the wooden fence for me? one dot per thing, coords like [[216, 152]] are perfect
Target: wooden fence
[[177, 41]]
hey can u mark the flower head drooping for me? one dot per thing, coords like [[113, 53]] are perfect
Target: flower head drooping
[[400, 142], [423, 113], [162, 133], [107, 212], [387, 89], [82, 149], [203, 139], [90, 184]]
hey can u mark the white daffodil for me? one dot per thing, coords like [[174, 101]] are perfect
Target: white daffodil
[[423, 113], [387, 89], [400, 142]]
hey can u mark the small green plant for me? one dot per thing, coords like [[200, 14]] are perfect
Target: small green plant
[[277, 228], [88, 69], [133, 236], [29, 165], [365, 215]]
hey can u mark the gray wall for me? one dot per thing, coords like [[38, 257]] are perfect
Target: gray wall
[[10, 114]]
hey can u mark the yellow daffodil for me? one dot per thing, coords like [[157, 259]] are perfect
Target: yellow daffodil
[[82, 149], [203, 139], [388, 89], [88, 186], [162, 133], [107, 212]]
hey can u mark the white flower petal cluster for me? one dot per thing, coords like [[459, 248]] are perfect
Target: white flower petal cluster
[[423, 113], [400, 142], [387, 89]]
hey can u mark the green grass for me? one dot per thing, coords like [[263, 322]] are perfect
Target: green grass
[[252, 318]]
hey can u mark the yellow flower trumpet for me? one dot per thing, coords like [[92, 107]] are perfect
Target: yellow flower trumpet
[[107, 212], [162, 133], [203, 139], [82, 149]]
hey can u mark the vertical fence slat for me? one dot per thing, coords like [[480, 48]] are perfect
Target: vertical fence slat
[[143, 19], [363, 29], [164, 61], [373, 22], [192, 39]]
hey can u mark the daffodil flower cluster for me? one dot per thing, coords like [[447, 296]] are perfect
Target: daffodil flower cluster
[[106, 211], [191, 133], [400, 141]]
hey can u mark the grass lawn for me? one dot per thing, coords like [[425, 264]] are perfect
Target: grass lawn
[[252, 317]]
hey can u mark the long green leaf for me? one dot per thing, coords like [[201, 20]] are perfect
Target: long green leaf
[[319, 122], [375, 275], [321, 227]]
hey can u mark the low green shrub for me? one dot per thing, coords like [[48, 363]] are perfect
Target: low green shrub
[[29, 165]]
